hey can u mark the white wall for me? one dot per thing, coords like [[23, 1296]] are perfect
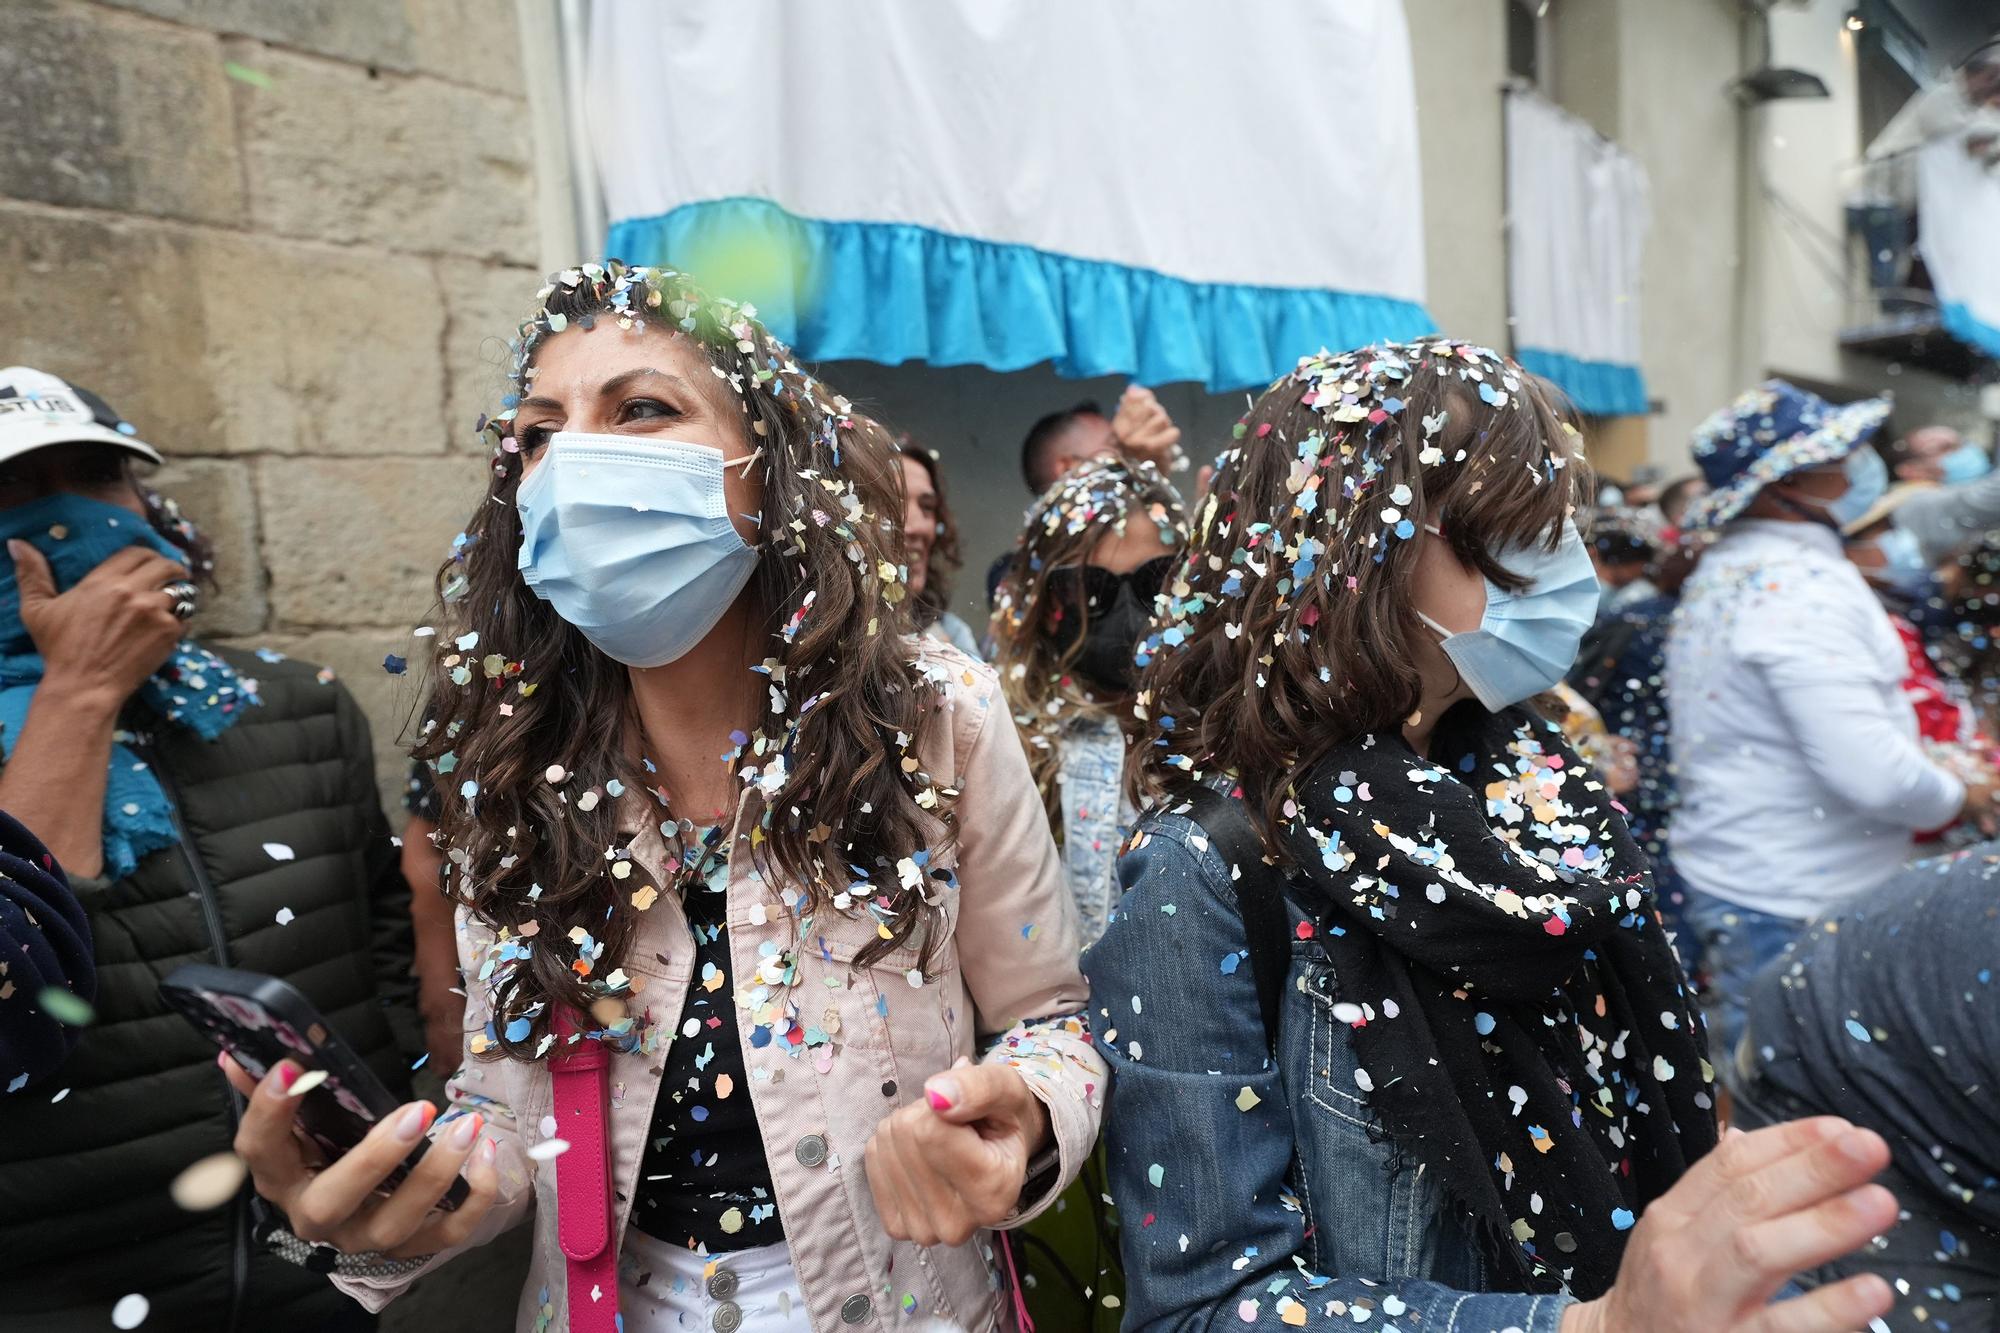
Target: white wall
[[1677, 116], [1799, 153], [1459, 48]]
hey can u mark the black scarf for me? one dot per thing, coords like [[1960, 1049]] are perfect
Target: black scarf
[[1524, 1031]]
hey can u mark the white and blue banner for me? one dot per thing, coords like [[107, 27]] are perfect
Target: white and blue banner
[[1182, 190], [1577, 216], [1958, 233]]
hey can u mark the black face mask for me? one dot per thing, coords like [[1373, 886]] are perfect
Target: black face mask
[[1119, 608]]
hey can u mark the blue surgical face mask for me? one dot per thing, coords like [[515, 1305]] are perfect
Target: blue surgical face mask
[[1867, 482], [1903, 566], [1966, 463], [630, 541], [1526, 640]]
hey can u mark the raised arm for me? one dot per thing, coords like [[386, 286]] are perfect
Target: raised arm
[[98, 642]]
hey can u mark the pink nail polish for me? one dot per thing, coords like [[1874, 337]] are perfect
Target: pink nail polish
[[410, 1124], [938, 1101], [463, 1131], [488, 1151], [288, 1074]]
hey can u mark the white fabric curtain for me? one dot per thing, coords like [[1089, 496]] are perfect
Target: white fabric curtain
[[1578, 210], [1958, 231], [1114, 186], [1273, 144]]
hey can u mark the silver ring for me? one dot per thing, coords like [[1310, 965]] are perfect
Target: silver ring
[[186, 598]]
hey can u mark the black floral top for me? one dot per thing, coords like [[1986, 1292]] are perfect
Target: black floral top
[[704, 1181]]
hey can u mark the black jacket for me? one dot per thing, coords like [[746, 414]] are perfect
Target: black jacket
[[88, 1151]]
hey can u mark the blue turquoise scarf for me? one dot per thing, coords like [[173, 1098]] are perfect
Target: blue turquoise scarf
[[194, 689]]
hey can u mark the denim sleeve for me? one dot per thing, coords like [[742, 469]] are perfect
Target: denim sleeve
[[1199, 1134]]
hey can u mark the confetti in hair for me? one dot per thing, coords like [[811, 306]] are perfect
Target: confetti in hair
[[519, 696], [1289, 626], [1097, 501]]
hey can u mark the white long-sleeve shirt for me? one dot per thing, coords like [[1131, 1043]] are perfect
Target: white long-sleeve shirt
[[1801, 778]]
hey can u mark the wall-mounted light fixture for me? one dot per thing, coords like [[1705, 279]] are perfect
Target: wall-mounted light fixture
[[1777, 84]]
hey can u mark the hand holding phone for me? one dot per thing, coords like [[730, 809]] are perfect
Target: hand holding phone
[[347, 1165], [343, 1205]]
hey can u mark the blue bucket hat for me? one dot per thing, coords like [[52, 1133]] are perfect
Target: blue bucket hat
[[1766, 435]]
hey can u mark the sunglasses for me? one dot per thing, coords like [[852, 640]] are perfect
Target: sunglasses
[[1096, 586]]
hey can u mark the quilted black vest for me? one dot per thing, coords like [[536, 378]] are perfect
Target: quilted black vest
[[87, 1153]]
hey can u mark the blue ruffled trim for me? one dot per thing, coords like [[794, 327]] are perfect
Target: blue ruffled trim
[[891, 292], [1601, 388], [1969, 328]]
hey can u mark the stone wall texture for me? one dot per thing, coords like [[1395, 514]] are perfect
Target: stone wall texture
[[286, 239]]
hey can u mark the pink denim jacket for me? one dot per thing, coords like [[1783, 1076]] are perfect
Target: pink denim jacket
[[1005, 986]]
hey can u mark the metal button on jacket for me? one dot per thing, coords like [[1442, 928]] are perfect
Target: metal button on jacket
[[728, 1318], [722, 1285], [855, 1309], [811, 1152]]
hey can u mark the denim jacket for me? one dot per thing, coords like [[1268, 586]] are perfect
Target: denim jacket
[[1246, 1190], [1095, 818]]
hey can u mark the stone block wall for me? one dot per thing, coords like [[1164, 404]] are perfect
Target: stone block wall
[[286, 239]]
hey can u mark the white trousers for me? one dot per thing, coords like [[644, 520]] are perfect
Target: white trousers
[[664, 1288]]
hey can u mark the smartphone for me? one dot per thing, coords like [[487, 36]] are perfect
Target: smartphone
[[260, 1021]]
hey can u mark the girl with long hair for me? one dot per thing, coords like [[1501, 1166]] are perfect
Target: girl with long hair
[[1396, 1035], [1076, 597], [712, 820]]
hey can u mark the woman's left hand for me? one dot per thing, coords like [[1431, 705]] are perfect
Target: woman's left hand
[[954, 1163]]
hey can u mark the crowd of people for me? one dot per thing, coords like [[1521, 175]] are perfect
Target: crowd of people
[[1394, 878]]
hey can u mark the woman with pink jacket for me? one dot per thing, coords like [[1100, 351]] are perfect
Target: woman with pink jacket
[[715, 825]]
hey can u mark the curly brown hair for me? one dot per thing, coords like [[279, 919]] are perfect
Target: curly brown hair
[[517, 719], [1288, 628], [1064, 527]]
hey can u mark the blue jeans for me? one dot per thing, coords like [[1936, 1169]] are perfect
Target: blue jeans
[[1736, 943]]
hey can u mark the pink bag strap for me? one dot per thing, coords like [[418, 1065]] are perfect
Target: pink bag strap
[[1023, 1321], [579, 1073]]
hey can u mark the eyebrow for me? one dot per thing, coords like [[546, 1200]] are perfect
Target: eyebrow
[[617, 383]]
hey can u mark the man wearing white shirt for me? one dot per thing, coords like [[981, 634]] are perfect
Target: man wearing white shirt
[[1801, 776]]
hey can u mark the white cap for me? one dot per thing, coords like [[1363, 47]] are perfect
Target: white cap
[[37, 410]]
